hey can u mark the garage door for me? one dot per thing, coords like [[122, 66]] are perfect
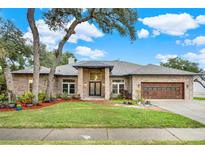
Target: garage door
[[162, 90]]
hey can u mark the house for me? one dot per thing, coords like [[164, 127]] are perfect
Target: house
[[103, 79]]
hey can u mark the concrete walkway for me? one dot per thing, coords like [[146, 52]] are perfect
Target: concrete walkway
[[174, 134]]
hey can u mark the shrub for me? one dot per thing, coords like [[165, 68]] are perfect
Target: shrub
[[21, 99], [27, 97], [140, 100], [2, 97], [124, 94], [65, 96], [41, 96], [134, 102]]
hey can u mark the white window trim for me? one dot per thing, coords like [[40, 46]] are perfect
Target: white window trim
[[69, 83], [118, 86]]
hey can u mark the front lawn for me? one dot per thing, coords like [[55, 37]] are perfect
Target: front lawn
[[87, 114], [199, 98]]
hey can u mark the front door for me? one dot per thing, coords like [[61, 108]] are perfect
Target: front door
[[95, 88]]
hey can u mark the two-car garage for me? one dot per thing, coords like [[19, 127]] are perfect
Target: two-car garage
[[162, 90]]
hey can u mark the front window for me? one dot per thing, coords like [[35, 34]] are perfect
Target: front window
[[72, 89], [69, 87], [118, 86]]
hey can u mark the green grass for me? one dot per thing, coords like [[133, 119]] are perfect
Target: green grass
[[199, 98], [92, 115], [120, 101], [93, 142]]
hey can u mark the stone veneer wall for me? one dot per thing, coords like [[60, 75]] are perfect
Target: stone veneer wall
[[86, 79], [132, 83], [187, 80], [21, 83]]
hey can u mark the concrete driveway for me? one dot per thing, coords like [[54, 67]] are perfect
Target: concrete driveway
[[191, 109]]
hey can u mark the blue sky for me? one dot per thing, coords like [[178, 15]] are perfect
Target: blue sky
[[161, 33]]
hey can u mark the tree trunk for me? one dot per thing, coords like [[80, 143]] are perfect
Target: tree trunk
[[53, 69], [36, 52], [58, 52], [9, 83]]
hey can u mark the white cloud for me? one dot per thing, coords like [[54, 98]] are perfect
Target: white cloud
[[178, 42], [201, 19], [196, 57], [89, 53], [199, 40], [171, 24], [143, 33], [84, 31], [164, 58], [155, 33]]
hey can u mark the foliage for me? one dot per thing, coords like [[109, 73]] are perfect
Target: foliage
[[142, 100], [2, 97], [20, 99], [16, 52], [41, 96], [116, 97], [125, 94], [27, 97], [65, 96], [47, 58], [94, 115], [182, 64], [65, 56], [108, 19]]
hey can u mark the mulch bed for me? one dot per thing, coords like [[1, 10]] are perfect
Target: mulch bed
[[45, 104]]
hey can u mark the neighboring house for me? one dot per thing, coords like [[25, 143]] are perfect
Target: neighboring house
[[102, 79], [199, 90]]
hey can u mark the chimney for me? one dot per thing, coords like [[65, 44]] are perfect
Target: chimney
[[71, 60]]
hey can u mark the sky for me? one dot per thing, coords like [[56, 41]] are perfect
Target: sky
[[161, 34]]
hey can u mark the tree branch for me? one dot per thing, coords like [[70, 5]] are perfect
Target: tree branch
[[197, 80]]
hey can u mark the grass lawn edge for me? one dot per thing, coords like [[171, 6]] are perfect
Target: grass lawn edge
[[101, 142]]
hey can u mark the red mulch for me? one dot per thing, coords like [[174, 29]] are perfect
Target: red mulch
[[45, 104]]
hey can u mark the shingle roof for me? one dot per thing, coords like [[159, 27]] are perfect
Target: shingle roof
[[120, 68], [66, 70], [92, 64], [151, 69], [43, 70]]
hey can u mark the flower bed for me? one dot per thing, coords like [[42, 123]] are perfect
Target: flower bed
[[45, 104]]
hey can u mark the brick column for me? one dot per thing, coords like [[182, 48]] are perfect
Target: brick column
[[107, 83], [133, 88], [80, 82]]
